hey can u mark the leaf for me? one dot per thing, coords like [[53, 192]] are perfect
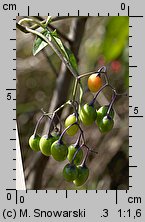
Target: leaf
[[39, 44], [48, 20], [64, 50], [72, 59], [53, 37], [59, 43]]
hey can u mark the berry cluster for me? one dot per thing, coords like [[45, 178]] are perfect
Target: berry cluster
[[53, 144]]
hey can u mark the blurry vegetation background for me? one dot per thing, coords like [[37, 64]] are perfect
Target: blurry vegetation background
[[44, 82]]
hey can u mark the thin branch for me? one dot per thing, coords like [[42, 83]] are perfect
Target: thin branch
[[59, 33], [53, 46], [22, 28], [55, 19], [43, 21], [60, 96], [89, 73], [54, 28]]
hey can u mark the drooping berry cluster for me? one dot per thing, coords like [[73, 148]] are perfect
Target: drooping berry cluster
[[53, 144]]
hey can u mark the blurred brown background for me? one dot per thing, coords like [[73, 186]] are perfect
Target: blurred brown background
[[44, 82]]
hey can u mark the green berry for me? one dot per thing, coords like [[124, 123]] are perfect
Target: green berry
[[34, 142], [45, 144], [106, 124], [72, 149], [70, 172], [102, 111], [87, 115], [83, 173], [59, 150], [70, 120]]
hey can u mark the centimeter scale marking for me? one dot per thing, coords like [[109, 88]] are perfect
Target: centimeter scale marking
[[56, 191], [130, 116]]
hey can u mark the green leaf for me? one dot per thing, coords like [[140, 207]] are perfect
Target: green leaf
[[53, 37], [72, 59], [48, 20], [39, 44], [59, 43], [66, 52]]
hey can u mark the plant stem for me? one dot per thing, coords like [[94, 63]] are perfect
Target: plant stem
[[64, 131], [100, 90], [99, 72], [61, 107], [105, 73], [74, 73], [60, 123], [55, 114], [36, 26], [36, 127], [90, 150], [53, 45], [76, 152], [51, 122], [75, 89], [86, 157], [88, 74], [82, 133], [111, 103], [78, 140], [55, 19], [31, 20], [22, 28], [47, 24]]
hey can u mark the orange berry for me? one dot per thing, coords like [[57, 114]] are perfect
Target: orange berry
[[94, 83]]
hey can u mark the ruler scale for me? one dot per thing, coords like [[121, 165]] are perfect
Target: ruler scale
[[73, 205]]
